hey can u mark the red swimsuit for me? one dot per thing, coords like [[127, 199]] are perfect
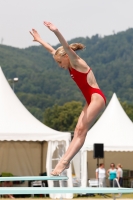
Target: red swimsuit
[[81, 80]]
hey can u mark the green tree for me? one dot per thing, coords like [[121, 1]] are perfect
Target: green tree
[[63, 118], [42, 84], [128, 109]]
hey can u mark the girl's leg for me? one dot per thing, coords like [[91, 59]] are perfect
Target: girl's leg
[[86, 119]]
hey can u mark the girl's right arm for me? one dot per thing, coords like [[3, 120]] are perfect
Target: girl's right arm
[[108, 172], [37, 38], [118, 174]]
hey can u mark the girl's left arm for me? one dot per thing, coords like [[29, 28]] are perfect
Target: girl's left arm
[[71, 54]]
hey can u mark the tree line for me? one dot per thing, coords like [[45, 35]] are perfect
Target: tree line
[[43, 85]]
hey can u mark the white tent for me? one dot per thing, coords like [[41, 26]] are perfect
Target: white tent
[[22, 138], [114, 129], [17, 123], [114, 121]]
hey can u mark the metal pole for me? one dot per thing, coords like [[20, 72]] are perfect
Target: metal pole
[[13, 86], [42, 157]]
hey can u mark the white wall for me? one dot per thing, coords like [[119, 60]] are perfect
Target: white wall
[[22, 158]]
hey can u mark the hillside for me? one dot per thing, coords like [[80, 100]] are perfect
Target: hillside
[[42, 83]]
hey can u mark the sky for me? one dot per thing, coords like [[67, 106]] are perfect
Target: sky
[[73, 18]]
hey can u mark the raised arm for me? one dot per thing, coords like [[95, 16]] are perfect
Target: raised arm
[[37, 38], [71, 54]]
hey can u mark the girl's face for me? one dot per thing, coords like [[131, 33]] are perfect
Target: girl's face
[[102, 166], [63, 61], [112, 165]]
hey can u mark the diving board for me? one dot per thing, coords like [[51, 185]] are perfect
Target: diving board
[[57, 190], [77, 190], [34, 178]]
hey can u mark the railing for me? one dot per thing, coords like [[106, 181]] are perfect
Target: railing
[[115, 181]]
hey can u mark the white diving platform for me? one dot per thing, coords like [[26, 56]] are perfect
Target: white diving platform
[[62, 190], [33, 178], [77, 190]]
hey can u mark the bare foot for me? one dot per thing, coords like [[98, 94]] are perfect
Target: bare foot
[[60, 167], [12, 197]]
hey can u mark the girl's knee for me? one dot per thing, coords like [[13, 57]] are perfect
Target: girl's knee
[[80, 131]]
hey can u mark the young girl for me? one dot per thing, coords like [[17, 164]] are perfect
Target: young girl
[[101, 175], [82, 74], [112, 173], [120, 174]]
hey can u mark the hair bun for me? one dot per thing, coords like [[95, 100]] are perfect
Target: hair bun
[[76, 46]]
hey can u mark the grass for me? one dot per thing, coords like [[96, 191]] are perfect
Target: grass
[[76, 197], [124, 196]]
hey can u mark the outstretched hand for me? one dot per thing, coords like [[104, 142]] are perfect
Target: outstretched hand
[[51, 26], [35, 34]]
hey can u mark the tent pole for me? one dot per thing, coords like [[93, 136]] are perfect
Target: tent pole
[[41, 170]]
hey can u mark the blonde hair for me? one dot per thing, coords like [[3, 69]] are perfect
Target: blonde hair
[[75, 46], [119, 165]]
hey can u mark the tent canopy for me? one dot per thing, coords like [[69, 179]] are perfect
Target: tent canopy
[[114, 129], [17, 123]]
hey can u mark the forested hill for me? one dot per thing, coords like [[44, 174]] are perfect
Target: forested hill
[[42, 83]]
